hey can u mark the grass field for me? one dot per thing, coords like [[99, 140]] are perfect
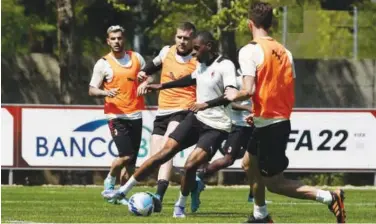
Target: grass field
[[228, 205]]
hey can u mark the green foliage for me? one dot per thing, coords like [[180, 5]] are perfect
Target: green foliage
[[14, 27], [312, 32], [336, 179], [118, 5]]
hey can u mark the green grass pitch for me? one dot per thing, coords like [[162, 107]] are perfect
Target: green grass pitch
[[219, 205]]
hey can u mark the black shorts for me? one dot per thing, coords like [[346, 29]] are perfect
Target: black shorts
[[192, 131], [269, 144], [126, 135], [161, 122], [237, 141]]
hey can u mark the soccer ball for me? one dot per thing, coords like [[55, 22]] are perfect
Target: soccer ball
[[141, 204]]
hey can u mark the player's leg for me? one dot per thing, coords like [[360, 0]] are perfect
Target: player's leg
[[166, 153], [272, 161], [157, 141], [165, 170], [234, 148], [210, 141], [121, 135], [250, 161], [194, 160], [181, 136], [246, 166]]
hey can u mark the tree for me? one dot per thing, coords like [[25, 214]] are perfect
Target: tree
[[67, 57]]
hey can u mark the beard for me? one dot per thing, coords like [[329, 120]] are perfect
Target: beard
[[117, 49]]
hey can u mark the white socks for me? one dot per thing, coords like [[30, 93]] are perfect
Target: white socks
[[111, 179], [181, 201], [128, 186], [260, 212], [324, 197]]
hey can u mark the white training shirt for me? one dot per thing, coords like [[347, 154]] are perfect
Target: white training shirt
[[103, 71], [158, 60], [238, 116], [210, 84], [250, 57]]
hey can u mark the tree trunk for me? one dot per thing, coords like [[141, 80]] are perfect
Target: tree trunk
[[227, 45], [65, 33]]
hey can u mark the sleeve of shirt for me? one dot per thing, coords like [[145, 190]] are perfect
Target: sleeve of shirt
[[98, 74], [161, 56], [194, 74], [141, 60], [289, 55], [247, 60], [228, 73]]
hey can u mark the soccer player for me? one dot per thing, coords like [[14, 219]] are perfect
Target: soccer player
[[236, 144], [206, 128], [173, 104], [117, 73], [269, 65]]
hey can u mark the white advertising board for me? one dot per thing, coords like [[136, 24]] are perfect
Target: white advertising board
[[81, 138], [332, 140], [7, 133], [73, 138]]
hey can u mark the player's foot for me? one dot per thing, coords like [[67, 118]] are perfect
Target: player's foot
[[108, 185], [179, 212], [112, 194], [123, 201], [252, 219], [337, 207], [195, 195], [157, 202]]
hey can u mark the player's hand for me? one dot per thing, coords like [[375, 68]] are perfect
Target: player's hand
[[231, 93], [198, 106], [112, 92], [142, 89], [141, 76], [153, 87], [249, 119]]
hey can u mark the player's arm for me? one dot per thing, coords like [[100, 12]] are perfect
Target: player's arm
[[96, 82], [188, 80], [248, 57]]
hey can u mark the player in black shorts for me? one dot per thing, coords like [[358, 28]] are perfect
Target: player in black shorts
[[175, 62]]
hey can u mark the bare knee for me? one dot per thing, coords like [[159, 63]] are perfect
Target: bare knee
[[124, 160], [245, 165], [190, 166]]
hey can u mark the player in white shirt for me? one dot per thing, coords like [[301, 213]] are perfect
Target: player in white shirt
[[208, 127], [237, 141]]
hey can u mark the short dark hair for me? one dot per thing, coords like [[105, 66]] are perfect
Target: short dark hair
[[186, 26], [207, 37], [261, 14]]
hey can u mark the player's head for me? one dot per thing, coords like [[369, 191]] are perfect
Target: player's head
[[204, 45], [115, 38], [183, 38], [260, 15]]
